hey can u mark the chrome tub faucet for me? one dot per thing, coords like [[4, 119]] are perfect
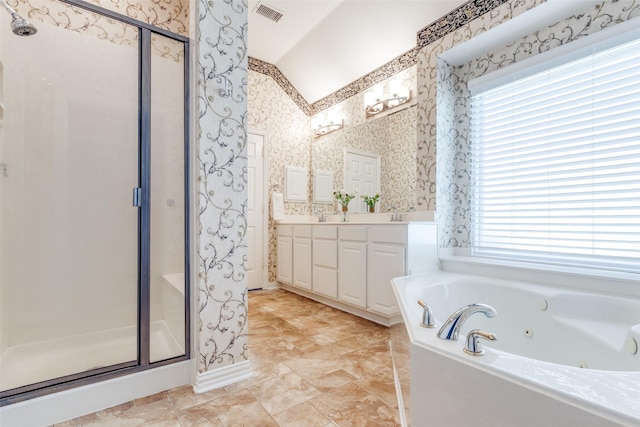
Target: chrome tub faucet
[[451, 327], [473, 346]]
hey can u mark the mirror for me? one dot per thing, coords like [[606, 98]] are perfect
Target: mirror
[[393, 138]]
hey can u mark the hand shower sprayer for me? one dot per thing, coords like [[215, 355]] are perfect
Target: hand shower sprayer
[[19, 25]]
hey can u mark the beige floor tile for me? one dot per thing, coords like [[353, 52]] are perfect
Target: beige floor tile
[[215, 412], [184, 397], [351, 406], [159, 414], [250, 415], [302, 415], [282, 393]]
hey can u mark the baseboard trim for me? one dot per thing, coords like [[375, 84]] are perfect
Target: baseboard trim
[[366, 314], [272, 285], [222, 377]]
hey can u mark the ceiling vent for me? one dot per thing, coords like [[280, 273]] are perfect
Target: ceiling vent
[[268, 12]]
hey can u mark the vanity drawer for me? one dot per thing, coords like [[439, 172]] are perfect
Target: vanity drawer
[[302, 231], [285, 230], [325, 253], [388, 234], [325, 232], [353, 233]]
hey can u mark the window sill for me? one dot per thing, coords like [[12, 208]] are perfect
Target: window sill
[[610, 282]]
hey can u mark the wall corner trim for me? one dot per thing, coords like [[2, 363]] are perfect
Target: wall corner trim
[[221, 377]]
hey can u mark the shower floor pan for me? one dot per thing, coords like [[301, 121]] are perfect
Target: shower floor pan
[[31, 363]]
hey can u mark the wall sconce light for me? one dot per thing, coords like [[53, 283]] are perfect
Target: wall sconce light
[[326, 123], [377, 101]]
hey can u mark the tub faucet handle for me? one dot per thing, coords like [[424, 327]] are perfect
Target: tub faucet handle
[[473, 345], [427, 315]]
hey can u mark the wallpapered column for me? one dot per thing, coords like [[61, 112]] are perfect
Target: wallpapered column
[[221, 291]]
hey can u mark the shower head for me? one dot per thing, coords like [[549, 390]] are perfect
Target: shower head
[[19, 25]]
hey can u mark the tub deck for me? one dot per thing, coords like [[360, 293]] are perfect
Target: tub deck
[[500, 387]]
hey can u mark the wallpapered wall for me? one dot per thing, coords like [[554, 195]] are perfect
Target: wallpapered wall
[[453, 177], [290, 143], [427, 96], [171, 15], [288, 131]]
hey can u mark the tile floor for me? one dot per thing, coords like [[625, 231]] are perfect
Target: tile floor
[[312, 366]]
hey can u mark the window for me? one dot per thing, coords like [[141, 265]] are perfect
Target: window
[[556, 162]]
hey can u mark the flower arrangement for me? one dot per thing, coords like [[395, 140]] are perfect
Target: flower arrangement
[[371, 200], [343, 197]]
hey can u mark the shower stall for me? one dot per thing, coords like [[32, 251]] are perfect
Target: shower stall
[[93, 197]]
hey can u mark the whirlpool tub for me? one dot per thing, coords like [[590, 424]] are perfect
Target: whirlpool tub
[[562, 357]]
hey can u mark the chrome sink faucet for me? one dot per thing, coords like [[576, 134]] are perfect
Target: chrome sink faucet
[[395, 217], [321, 215], [451, 327]]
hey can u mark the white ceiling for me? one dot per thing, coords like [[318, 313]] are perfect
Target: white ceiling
[[323, 45]]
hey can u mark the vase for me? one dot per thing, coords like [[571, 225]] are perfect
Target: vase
[[345, 210], [372, 209]]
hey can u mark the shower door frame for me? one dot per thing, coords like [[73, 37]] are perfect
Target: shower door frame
[[144, 224]]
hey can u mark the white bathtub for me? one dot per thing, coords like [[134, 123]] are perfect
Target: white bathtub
[[532, 375]]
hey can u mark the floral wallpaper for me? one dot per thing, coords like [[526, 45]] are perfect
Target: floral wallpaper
[[466, 22], [453, 142], [171, 15], [289, 142], [221, 202], [288, 130]]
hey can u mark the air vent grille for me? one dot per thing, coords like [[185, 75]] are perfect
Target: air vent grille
[[268, 12]]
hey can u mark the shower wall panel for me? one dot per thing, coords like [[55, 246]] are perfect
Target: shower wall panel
[[167, 198], [69, 231]]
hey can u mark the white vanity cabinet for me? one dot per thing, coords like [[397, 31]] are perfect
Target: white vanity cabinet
[[386, 259], [352, 275], [302, 256], [285, 254], [325, 260], [350, 266]]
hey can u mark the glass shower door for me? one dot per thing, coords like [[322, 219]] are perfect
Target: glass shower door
[[68, 230]]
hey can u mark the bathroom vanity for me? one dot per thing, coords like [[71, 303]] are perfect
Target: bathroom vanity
[[350, 265]]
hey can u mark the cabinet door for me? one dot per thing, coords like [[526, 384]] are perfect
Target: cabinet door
[[352, 274], [384, 263], [325, 264], [285, 260], [325, 281], [302, 263]]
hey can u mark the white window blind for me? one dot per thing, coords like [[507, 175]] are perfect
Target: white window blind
[[556, 164]]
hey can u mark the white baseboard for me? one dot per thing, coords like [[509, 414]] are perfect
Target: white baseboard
[[272, 285], [221, 377], [366, 314], [76, 402]]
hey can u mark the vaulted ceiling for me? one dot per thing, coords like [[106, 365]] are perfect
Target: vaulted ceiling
[[323, 45]]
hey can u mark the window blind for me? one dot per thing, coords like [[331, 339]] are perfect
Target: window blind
[[556, 164]]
